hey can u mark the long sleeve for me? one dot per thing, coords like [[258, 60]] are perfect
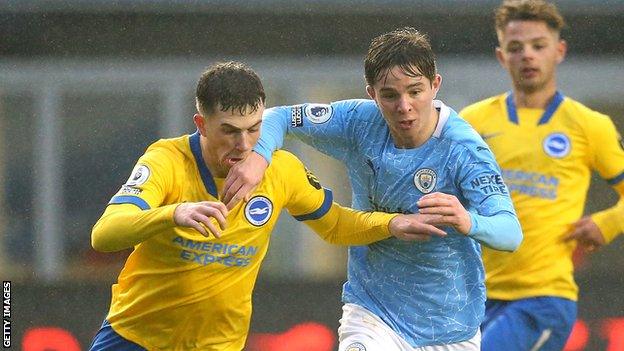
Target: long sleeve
[[327, 128], [344, 226], [608, 160], [500, 231], [610, 221], [273, 132], [310, 203], [124, 226]]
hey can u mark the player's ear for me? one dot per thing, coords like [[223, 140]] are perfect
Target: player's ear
[[370, 91], [435, 85], [562, 49], [200, 123], [500, 57]]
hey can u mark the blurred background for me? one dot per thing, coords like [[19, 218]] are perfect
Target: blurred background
[[87, 85]]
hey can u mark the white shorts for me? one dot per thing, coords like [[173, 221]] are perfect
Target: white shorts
[[361, 330]]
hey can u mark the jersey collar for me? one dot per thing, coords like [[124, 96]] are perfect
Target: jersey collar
[[512, 113], [204, 172], [445, 112]]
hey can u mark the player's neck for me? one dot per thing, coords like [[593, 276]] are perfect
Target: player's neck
[[534, 99], [210, 159]]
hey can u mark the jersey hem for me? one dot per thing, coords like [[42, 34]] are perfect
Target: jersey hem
[[133, 338], [530, 294]]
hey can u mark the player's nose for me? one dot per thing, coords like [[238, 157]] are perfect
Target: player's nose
[[404, 105], [244, 142]]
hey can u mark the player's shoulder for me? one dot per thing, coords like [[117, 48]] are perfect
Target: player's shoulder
[[288, 170], [284, 159], [172, 149], [580, 111], [283, 165], [462, 136], [351, 104], [481, 109], [584, 118], [460, 131], [358, 109]]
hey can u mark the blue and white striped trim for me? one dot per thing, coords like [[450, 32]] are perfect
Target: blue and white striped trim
[[125, 199], [512, 113], [321, 211], [616, 179], [204, 172]]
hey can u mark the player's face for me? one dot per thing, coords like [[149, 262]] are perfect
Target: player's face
[[530, 51], [406, 102], [228, 137]]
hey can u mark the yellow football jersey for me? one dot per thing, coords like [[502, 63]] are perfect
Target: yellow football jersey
[[547, 156], [180, 290]]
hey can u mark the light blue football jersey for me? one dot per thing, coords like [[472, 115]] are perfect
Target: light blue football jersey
[[430, 293]]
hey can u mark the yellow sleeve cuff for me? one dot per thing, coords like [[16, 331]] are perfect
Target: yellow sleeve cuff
[[344, 226], [610, 221]]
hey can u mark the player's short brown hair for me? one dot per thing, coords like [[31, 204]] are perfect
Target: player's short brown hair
[[229, 86], [405, 47], [528, 10]]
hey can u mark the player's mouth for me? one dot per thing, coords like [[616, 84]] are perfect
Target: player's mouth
[[528, 72], [406, 125], [231, 161]]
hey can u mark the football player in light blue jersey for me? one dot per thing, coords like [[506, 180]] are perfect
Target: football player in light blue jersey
[[405, 152]]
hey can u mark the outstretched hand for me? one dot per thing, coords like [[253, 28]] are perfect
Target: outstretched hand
[[242, 179], [201, 216], [587, 234], [415, 227], [452, 213]]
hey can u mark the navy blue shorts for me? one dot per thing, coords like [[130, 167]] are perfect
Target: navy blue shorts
[[538, 323], [107, 339]]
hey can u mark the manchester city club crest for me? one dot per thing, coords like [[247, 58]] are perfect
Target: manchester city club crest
[[557, 145], [425, 180], [258, 210], [356, 346]]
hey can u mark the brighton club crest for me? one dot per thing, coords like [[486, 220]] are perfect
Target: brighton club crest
[[557, 145], [258, 210], [425, 180]]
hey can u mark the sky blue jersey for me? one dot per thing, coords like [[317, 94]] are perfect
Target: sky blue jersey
[[432, 292]]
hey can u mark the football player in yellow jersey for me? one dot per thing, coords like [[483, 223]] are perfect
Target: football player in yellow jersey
[[188, 283], [547, 145]]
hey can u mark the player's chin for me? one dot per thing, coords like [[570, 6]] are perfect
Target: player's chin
[[530, 85]]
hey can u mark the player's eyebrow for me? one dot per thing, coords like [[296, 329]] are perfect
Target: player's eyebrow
[[529, 40], [235, 128], [387, 89], [257, 124], [413, 85]]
